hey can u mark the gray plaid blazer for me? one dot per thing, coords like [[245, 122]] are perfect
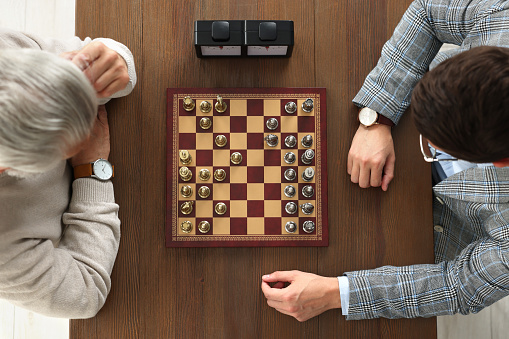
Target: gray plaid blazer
[[471, 208]]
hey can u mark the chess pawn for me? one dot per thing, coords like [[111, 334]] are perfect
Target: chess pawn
[[220, 105], [219, 174], [204, 192], [308, 174], [205, 107], [290, 158], [204, 226], [185, 173], [290, 227], [289, 191], [185, 157], [290, 174], [290, 141], [236, 158], [291, 107], [272, 124], [307, 208], [291, 208], [205, 123], [204, 174], [272, 140], [308, 191], [188, 104], [187, 207], [307, 141], [307, 105], [186, 191], [186, 226], [308, 156], [308, 226], [220, 208], [221, 140]]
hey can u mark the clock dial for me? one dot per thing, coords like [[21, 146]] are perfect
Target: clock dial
[[103, 169]]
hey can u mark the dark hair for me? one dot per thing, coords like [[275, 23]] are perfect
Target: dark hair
[[462, 105]]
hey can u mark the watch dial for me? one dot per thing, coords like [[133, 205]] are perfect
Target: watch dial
[[367, 117], [220, 50], [103, 169]]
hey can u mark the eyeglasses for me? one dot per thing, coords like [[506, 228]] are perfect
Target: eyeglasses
[[430, 154]]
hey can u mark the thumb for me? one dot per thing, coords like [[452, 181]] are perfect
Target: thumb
[[285, 276]]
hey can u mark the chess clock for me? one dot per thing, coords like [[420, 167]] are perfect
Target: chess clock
[[219, 38], [269, 38]]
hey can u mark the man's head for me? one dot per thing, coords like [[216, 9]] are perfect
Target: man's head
[[462, 105], [47, 108]]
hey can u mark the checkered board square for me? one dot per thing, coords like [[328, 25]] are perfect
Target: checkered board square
[[252, 192]]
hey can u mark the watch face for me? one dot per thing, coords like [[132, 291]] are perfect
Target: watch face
[[103, 169], [367, 116], [220, 50]]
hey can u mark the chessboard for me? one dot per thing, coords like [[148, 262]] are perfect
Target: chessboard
[[246, 167]]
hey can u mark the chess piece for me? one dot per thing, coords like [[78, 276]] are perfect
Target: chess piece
[[185, 157], [308, 174], [188, 104], [221, 140], [272, 124], [291, 207], [220, 105], [220, 174], [204, 174], [290, 227], [220, 208], [185, 173], [186, 208], [204, 192], [205, 106], [307, 106], [307, 141], [289, 191], [308, 191], [308, 226], [186, 226], [307, 157], [290, 174], [291, 107], [290, 141], [204, 226], [290, 158], [236, 158], [272, 140], [205, 123], [307, 208], [186, 191]]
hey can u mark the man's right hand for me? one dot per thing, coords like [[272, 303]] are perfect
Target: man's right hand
[[371, 158]]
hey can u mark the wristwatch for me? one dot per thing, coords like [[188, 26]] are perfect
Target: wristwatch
[[100, 169], [369, 117]]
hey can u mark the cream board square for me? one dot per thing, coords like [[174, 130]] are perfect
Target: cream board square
[[238, 107]]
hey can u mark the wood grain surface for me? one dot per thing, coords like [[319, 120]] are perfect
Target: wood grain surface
[[161, 292]]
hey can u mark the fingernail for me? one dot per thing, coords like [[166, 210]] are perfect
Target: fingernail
[[266, 276]]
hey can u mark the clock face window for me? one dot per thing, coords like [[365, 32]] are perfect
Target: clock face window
[[267, 50], [103, 170], [220, 50]]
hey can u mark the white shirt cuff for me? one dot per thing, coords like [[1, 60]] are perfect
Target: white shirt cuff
[[344, 293]]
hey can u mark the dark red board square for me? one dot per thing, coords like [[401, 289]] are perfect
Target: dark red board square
[[283, 210], [255, 208], [283, 104], [306, 124], [183, 112], [283, 137], [238, 226], [204, 158], [255, 141], [255, 174], [227, 170], [301, 186], [238, 124], [296, 169], [272, 157], [227, 203], [272, 226], [301, 223], [192, 180], [211, 222], [272, 191], [210, 186], [182, 215], [255, 107], [201, 130], [227, 146], [187, 141], [301, 152], [238, 191], [244, 157], [267, 130], [225, 113]]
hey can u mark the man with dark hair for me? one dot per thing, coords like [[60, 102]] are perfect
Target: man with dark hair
[[461, 108]]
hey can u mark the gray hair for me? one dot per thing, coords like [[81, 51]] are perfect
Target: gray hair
[[47, 107]]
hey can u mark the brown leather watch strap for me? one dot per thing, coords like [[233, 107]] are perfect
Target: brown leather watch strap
[[83, 171], [383, 120]]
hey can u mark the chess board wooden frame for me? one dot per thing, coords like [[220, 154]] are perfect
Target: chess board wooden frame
[[255, 216]]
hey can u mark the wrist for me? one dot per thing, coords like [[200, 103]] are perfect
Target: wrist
[[333, 295]]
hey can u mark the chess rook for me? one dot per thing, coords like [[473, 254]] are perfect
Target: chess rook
[[291, 227], [290, 158], [186, 208], [236, 158], [308, 191], [220, 208], [308, 156], [188, 104], [308, 174], [204, 192], [186, 191], [291, 141], [272, 124], [291, 207], [204, 226], [307, 141], [220, 105], [289, 191], [186, 226], [221, 140], [185, 173], [219, 174], [290, 174], [205, 106], [204, 174], [291, 107], [308, 226], [307, 105], [307, 208], [272, 140], [205, 123]]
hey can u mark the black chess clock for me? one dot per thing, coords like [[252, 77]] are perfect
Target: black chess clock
[[234, 38]]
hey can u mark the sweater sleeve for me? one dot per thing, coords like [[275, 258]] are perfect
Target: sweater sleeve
[[14, 39], [72, 279]]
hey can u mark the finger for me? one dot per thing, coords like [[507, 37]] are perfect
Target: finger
[[388, 172], [364, 176], [279, 285], [376, 176], [112, 88], [349, 165], [287, 276], [274, 294], [354, 176]]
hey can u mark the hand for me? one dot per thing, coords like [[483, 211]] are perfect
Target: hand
[[105, 68], [307, 296], [97, 145], [371, 158]]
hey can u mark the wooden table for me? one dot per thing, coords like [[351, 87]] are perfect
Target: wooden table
[[161, 292]]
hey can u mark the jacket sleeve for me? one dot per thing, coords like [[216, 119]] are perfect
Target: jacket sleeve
[[425, 26]]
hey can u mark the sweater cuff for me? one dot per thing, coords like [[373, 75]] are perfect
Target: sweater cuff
[[92, 190]]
